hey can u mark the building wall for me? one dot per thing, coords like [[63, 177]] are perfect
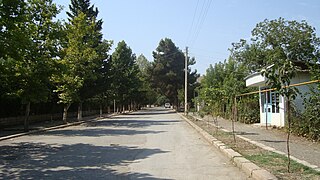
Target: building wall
[[278, 119], [303, 90]]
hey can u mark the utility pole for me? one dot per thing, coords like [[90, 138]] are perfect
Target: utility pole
[[186, 83]]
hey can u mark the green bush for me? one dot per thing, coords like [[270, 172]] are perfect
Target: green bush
[[249, 109], [307, 124]]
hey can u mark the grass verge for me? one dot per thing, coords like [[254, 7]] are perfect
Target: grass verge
[[273, 162]]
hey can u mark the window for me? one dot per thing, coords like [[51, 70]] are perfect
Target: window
[[270, 101], [275, 102]]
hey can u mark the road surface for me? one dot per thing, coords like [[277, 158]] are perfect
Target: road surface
[[149, 144]]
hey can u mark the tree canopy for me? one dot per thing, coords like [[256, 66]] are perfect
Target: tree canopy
[[167, 71]]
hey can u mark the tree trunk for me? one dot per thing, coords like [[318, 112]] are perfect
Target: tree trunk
[[80, 111], [233, 118], [65, 113], [217, 125], [100, 110], [135, 106], [289, 131], [109, 110], [26, 118]]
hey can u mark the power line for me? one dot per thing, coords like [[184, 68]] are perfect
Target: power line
[[196, 27], [209, 51], [201, 20], [191, 27]]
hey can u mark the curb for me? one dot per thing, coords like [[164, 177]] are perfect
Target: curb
[[52, 128], [268, 148], [251, 169]]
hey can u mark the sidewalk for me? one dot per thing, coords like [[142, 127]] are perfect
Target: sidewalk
[[299, 147]]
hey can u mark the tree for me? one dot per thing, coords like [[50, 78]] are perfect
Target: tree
[[168, 70], [34, 56], [13, 41], [220, 86], [78, 65], [144, 65], [193, 84], [85, 6], [148, 94], [92, 86], [125, 80]]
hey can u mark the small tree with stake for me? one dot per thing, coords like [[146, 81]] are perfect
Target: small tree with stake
[[279, 76]]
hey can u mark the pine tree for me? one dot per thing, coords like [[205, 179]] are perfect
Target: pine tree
[[89, 10], [168, 70], [125, 81], [91, 86]]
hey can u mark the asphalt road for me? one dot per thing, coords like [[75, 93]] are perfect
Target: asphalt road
[[149, 144]]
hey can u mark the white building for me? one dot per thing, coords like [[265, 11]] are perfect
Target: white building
[[272, 105]]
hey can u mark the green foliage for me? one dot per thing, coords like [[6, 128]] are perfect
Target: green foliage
[[279, 44], [30, 43], [307, 123], [125, 80], [161, 100], [147, 94], [167, 71], [98, 84], [84, 6], [249, 109], [79, 61], [312, 115], [221, 84]]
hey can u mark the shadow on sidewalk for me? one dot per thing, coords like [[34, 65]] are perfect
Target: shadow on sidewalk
[[245, 133], [273, 141]]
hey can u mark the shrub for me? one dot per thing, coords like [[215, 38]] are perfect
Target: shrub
[[307, 124]]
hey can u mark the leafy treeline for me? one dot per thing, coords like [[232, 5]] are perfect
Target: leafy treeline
[[49, 66], [286, 47], [218, 90]]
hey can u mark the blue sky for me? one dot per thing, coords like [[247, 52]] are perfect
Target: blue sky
[[207, 27]]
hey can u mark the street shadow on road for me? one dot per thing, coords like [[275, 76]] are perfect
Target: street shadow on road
[[96, 132], [85, 161], [131, 123], [144, 112], [153, 112]]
